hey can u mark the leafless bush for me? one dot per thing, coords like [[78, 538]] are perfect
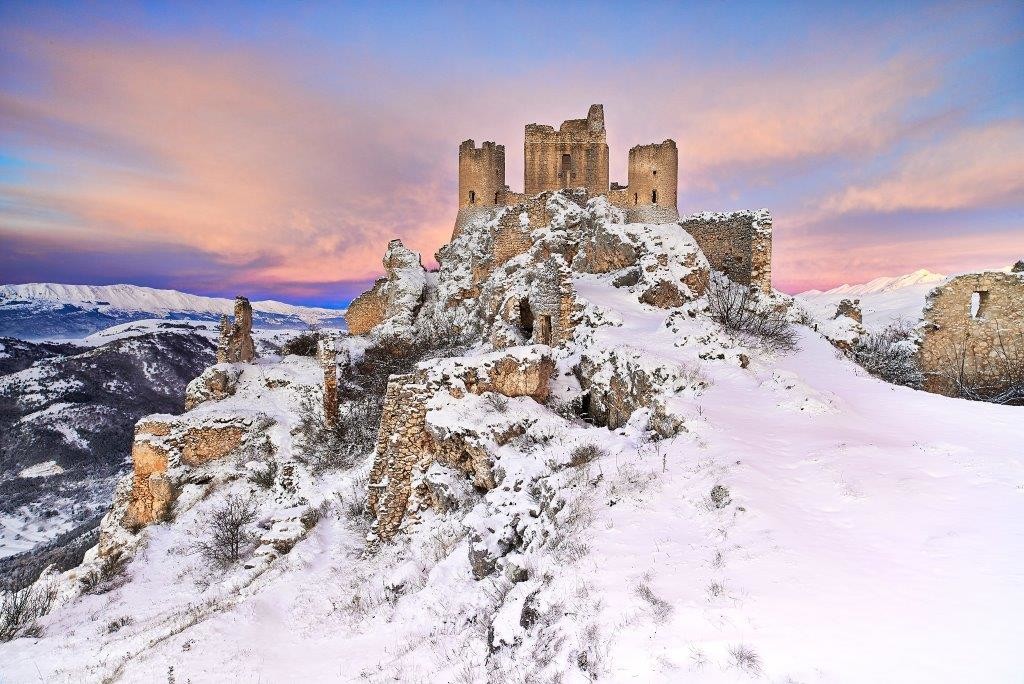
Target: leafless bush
[[998, 379], [117, 624], [746, 659], [890, 355], [304, 344], [352, 501], [226, 530], [497, 402], [741, 309], [660, 608], [104, 578], [584, 454], [22, 602], [265, 476]]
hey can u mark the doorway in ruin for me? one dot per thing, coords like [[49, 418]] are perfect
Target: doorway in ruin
[[654, 196], [525, 319], [472, 197], [544, 329]]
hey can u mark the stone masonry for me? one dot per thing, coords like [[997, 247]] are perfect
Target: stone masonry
[[327, 357], [973, 333], [738, 244], [235, 343]]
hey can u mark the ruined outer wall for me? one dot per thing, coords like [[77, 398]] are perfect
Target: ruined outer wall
[[739, 244], [584, 140], [951, 334]]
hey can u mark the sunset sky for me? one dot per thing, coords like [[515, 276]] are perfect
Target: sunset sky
[[272, 149]]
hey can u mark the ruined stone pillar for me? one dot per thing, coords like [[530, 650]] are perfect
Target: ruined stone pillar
[[235, 343], [327, 357]]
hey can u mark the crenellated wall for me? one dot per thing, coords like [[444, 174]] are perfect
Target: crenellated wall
[[574, 156]]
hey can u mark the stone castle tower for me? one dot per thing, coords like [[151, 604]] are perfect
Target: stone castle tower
[[574, 156]]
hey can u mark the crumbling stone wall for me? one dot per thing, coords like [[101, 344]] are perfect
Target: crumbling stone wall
[[407, 444], [973, 332], [166, 446], [739, 244], [576, 155], [396, 298], [235, 343], [851, 309], [327, 357]]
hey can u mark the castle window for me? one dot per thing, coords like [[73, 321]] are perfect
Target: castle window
[[495, 198], [636, 198], [472, 197], [654, 196], [978, 304], [566, 163], [655, 172]]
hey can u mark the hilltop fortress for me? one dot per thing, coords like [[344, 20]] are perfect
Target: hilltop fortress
[[575, 158]]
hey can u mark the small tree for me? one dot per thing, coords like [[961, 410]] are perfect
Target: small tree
[[22, 602], [226, 530]]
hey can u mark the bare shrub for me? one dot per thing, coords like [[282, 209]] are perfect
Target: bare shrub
[[106, 576], [746, 659], [353, 499], [117, 624], [304, 344], [660, 608], [584, 454], [890, 355], [497, 402], [266, 476], [22, 602], [744, 311], [227, 535]]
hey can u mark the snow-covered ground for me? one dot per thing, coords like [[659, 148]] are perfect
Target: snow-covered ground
[[870, 533]]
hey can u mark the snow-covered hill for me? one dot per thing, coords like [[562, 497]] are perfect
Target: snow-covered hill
[[882, 300], [38, 311], [757, 515]]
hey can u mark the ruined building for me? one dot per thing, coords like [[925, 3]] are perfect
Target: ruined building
[[972, 337], [235, 342], [576, 157]]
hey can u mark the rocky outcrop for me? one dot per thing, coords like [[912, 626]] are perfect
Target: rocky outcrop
[[851, 309], [235, 344], [414, 436], [214, 384], [395, 299]]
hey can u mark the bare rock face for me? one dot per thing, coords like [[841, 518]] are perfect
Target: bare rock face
[[1018, 267], [664, 294], [235, 344], [214, 384], [395, 299], [851, 309]]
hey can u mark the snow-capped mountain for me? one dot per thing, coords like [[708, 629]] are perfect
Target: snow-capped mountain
[[37, 311], [882, 300]]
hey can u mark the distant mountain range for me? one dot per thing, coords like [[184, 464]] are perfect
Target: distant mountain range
[[51, 311], [882, 300]]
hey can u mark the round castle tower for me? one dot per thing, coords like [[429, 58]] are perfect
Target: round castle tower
[[481, 179], [653, 182]]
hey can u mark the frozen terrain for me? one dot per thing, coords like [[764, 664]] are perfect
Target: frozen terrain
[[870, 533], [37, 311]]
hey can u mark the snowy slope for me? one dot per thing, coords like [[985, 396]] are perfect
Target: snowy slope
[[872, 535], [55, 311]]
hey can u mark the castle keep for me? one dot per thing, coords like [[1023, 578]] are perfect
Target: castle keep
[[575, 157]]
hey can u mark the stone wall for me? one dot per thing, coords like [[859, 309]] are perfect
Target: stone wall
[[576, 155], [408, 444], [973, 333], [327, 357], [739, 244], [395, 299]]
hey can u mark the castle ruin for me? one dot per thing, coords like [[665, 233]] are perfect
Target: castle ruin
[[575, 157]]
